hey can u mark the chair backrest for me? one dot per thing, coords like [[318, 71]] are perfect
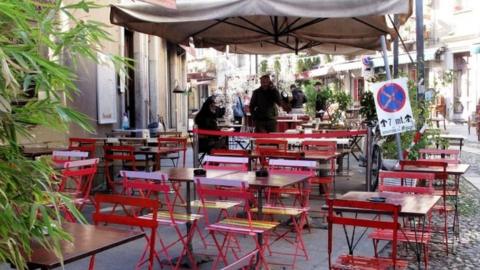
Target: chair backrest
[[119, 152], [442, 166], [266, 154], [359, 220], [315, 146], [277, 144], [450, 156], [83, 144], [81, 172], [60, 157], [406, 182], [178, 142], [132, 141], [225, 163], [229, 152], [288, 166]]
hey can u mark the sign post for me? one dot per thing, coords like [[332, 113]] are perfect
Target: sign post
[[393, 107]]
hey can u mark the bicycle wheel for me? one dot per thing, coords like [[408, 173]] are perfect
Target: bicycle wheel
[[376, 166]]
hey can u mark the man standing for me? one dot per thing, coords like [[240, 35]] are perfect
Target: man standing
[[298, 99], [262, 106], [321, 102]]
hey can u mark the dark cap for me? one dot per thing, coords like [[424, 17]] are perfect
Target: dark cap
[[265, 76], [318, 83]]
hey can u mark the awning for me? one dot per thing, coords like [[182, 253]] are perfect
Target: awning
[[267, 26]]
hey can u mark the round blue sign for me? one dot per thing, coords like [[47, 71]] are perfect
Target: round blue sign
[[391, 97]]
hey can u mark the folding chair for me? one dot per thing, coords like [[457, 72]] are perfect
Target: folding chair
[[129, 218], [412, 183], [175, 142], [322, 148], [450, 156], [297, 214], [268, 153], [81, 173], [441, 180], [60, 157], [118, 155], [350, 261], [229, 152], [84, 145], [230, 226], [146, 184]]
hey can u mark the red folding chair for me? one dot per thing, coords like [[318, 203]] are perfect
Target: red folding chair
[[130, 219], [412, 183], [269, 146], [148, 184], [83, 144], [267, 153], [77, 180], [441, 180], [230, 226], [323, 148], [60, 157], [351, 222], [180, 145], [122, 156], [297, 214]]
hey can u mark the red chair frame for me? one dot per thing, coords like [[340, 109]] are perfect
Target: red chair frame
[[179, 142], [123, 153], [323, 148], [83, 144], [129, 219]]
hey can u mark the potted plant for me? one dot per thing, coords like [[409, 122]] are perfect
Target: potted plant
[[28, 203]]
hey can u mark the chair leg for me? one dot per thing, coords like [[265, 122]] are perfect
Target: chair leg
[[91, 264]]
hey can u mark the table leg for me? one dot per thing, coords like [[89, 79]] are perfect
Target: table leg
[[260, 217]]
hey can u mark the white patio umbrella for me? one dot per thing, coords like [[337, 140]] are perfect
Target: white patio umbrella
[[266, 26]]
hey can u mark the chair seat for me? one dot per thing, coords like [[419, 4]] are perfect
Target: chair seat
[[321, 180], [402, 236], [350, 262], [278, 210], [179, 218], [239, 225], [215, 204]]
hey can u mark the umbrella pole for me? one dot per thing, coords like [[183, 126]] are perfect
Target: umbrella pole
[[398, 140]]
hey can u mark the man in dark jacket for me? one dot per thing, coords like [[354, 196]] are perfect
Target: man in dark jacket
[[263, 106], [298, 99]]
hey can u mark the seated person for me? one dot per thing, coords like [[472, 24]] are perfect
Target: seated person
[[206, 118]]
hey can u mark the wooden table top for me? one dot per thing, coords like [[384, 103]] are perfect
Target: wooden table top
[[87, 240], [412, 204], [272, 180], [455, 169]]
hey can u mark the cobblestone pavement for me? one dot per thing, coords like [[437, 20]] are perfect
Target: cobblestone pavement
[[467, 247]]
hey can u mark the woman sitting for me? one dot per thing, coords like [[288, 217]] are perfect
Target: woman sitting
[[206, 118]]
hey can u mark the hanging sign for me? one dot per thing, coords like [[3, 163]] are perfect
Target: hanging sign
[[393, 106]]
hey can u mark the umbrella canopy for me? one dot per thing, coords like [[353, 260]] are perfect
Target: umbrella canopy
[[267, 26]]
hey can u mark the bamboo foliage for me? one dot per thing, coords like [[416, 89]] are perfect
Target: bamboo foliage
[[33, 45]]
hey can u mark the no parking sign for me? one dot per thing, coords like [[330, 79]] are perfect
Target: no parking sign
[[393, 106]]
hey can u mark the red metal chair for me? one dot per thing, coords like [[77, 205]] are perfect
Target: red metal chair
[[441, 180], [129, 219], [83, 144], [122, 156], [230, 226], [148, 184], [323, 148], [271, 144], [266, 154], [412, 183], [81, 173], [60, 157], [297, 214], [180, 144], [336, 216]]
